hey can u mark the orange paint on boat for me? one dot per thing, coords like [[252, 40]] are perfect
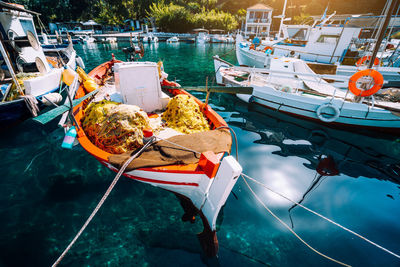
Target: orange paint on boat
[[98, 72]]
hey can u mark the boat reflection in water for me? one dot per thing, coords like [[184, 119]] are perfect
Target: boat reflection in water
[[325, 153]]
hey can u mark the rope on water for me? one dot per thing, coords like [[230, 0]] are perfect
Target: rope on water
[[323, 217], [29, 165], [288, 227], [110, 188]]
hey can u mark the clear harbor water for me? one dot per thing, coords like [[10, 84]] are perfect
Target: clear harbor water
[[47, 192]]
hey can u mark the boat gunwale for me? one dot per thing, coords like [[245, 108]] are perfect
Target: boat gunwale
[[212, 116]]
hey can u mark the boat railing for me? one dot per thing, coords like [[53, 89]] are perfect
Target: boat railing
[[340, 78]]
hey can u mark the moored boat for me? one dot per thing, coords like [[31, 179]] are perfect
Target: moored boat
[[193, 166], [289, 86], [27, 78]]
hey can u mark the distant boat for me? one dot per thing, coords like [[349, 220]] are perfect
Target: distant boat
[[201, 36], [111, 39], [135, 39], [88, 39], [173, 40]]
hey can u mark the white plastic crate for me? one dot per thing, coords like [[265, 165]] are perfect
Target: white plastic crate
[[139, 84]]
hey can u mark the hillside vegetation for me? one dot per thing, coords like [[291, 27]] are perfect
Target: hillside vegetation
[[184, 15]]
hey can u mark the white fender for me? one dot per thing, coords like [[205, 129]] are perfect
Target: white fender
[[329, 118], [220, 189]]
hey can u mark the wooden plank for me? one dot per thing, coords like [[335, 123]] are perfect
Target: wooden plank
[[219, 89], [55, 112]]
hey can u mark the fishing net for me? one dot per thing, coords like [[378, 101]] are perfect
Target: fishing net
[[21, 77], [183, 115], [114, 127]]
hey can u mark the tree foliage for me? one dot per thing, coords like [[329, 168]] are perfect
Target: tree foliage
[[182, 15]]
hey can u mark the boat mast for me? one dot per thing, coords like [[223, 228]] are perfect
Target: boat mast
[[388, 15], [282, 17]]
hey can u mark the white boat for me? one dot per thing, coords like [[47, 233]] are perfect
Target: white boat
[[135, 39], [290, 86], [111, 39], [150, 38], [88, 39], [173, 40], [58, 55], [201, 36], [39, 78], [230, 39], [258, 58]]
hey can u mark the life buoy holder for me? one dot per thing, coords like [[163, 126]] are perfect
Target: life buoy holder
[[374, 74], [268, 48], [325, 107], [362, 60]]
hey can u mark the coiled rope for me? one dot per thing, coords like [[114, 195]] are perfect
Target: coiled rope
[[110, 188], [315, 213]]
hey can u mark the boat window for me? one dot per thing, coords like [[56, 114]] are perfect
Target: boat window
[[297, 33], [328, 39], [27, 25]]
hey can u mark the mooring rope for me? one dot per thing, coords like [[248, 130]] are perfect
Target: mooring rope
[[110, 188], [288, 227], [322, 216]]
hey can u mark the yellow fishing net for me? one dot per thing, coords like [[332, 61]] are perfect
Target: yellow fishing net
[[21, 77], [183, 114], [113, 127]]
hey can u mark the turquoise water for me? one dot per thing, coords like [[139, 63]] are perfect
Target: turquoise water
[[47, 193]]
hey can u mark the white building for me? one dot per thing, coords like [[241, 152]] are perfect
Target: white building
[[258, 20]]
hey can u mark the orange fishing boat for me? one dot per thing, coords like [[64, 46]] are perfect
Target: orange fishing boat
[[194, 165]]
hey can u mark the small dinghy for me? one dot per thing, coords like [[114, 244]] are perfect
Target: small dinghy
[[188, 142]]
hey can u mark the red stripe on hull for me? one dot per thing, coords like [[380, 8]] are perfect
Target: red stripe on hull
[[152, 180], [159, 181]]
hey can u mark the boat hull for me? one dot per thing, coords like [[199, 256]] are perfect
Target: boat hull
[[13, 112], [206, 193]]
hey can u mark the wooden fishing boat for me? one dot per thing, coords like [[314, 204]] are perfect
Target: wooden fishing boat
[[202, 186]]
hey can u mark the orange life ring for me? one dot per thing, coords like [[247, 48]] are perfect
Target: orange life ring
[[268, 47], [378, 82], [367, 58], [252, 46]]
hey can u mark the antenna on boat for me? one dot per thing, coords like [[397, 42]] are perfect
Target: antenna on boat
[[388, 15], [282, 18]]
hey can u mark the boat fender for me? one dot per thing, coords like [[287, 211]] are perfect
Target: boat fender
[[328, 118], [51, 98], [268, 50], [365, 59], [374, 74], [80, 63], [287, 89]]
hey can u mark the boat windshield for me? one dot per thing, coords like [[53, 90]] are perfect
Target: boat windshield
[[27, 25], [297, 33]]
